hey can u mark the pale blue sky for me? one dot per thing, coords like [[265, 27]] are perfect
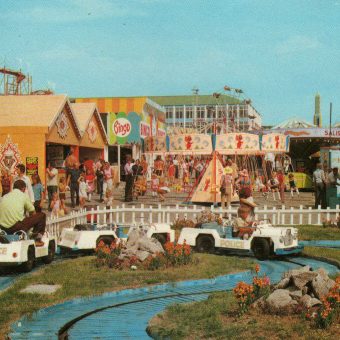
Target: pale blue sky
[[279, 52]]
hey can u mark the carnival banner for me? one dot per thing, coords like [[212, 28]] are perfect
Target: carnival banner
[[188, 144], [155, 144], [237, 144], [274, 142]]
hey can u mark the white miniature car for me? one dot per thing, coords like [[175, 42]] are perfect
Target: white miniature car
[[19, 249], [87, 236], [265, 240]]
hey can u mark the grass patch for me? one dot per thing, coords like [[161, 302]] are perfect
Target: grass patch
[[215, 318], [332, 254], [80, 277], [313, 232]]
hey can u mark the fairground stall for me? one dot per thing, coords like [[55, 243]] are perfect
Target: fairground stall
[[93, 141], [128, 121], [305, 146], [246, 150], [36, 129]]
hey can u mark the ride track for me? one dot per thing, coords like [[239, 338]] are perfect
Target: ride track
[[125, 314]]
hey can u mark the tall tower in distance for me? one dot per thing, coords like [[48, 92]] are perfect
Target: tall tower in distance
[[317, 120]]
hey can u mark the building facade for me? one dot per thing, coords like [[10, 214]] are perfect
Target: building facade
[[207, 113]]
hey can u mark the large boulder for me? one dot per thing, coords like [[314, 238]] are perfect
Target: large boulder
[[296, 294], [142, 255], [322, 284], [308, 302], [150, 244], [295, 272], [302, 279], [280, 301], [284, 283]]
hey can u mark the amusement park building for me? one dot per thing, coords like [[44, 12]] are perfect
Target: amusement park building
[[200, 111]]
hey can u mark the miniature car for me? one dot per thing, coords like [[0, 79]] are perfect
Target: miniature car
[[19, 249], [87, 236], [264, 241]]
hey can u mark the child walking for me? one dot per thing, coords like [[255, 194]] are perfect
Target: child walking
[[292, 185], [83, 187]]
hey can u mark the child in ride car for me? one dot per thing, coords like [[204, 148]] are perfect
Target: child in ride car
[[243, 223]]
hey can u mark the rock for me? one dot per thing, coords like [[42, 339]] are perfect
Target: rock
[[150, 244], [295, 272], [260, 303], [309, 302], [133, 237], [279, 299], [284, 283], [321, 284], [300, 280], [304, 290], [142, 255], [41, 289], [296, 294]]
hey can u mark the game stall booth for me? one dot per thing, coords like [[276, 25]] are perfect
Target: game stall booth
[[37, 129]]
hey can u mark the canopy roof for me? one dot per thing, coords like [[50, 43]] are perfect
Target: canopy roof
[[34, 110], [293, 123], [84, 113]]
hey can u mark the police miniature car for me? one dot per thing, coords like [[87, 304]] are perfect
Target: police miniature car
[[264, 241]]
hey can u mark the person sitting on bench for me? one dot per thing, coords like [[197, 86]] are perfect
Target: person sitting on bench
[[13, 208]]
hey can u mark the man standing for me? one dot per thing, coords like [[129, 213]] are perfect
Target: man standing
[[51, 182], [21, 170], [319, 181], [73, 175], [13, 207], [128, 179], [334, 178]]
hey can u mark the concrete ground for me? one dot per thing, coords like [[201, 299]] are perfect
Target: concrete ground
[[305, 199]]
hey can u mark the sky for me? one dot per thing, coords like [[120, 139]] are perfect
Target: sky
[[279, 52]]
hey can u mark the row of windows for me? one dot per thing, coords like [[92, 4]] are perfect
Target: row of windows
[[203, 112]]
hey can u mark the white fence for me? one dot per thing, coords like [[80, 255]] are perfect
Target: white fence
[[161, 214]]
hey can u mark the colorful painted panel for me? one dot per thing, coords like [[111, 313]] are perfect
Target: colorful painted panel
[[237, 143], [9, 155], [155, 144], [188, 144], [274, 142]]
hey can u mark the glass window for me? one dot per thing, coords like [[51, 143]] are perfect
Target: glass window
[[179, 112], [188, 112], [169, 113], [211, 112], [200, 112]]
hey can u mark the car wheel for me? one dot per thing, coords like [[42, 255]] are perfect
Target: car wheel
[[161, 238], [51, 252], [107, 240], [29, 264], [205, 244], [261, 248]]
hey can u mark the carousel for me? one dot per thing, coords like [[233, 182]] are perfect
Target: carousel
[[258, 155]]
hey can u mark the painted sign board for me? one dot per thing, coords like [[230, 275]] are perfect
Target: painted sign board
[[31, 166]]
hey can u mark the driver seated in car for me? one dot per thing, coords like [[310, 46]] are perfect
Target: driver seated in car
[[245, 220]]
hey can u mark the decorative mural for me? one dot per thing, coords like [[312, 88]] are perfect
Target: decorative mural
[[9, 155], [274, 142], [188, 144], [62, 125], [155, 144], [237, 143], [92, 131]]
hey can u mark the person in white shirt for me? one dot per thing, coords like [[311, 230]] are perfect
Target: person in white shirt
[[21, 170], [333, 178], [51, 182], [319, 181]]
